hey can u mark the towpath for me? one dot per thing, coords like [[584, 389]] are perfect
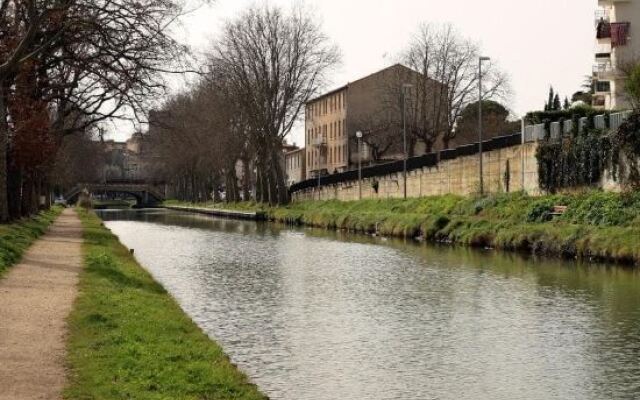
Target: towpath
[[36, 296]]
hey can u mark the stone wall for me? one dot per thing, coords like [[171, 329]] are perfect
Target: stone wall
[[457, 176]]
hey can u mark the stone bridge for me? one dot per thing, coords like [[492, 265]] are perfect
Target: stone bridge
[[146, 194]]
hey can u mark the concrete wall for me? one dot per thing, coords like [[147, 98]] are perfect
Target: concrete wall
[[458, 176]]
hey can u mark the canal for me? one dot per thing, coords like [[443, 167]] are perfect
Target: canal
[[315, 315]]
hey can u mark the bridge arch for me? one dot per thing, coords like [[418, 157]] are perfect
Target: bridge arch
[[146, 195]]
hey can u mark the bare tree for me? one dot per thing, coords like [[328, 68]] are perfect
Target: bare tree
[[95, 60], [273, 63], [448, 81], [377, 112]]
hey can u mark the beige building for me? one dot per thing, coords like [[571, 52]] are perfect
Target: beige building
[[295, 162], [372, 105], [616, 21], [128, 160], [327, 147]]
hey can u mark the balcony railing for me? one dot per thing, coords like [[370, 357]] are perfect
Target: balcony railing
[[320, 141], [602, 68]]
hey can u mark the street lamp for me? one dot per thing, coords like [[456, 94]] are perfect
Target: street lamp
[[480, 60], [405, 88], [359, 136]]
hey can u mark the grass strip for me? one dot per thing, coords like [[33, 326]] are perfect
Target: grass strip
[[597, 225], [129, 339], [15, 238]]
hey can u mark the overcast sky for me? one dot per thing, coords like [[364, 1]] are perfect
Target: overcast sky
[[538, 43]]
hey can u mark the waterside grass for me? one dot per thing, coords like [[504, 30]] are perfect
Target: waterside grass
[[597, 225], [130, 340], [16, 237]]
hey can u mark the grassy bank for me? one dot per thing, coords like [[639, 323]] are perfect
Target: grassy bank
[[130, 340], [16, 237], [597, 225], [117, 204], [246, 206]]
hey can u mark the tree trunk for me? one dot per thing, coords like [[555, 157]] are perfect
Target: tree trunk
[[14, 186], [283, 193], [4, 146], [246, 180]]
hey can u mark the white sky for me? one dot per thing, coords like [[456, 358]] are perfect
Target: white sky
[[538, 43]]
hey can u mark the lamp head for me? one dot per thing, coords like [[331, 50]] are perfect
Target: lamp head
[[485, 59], [359, 135]]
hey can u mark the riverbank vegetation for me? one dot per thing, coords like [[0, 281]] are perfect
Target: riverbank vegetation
[[16, 237], [129, 338], [596, 225]]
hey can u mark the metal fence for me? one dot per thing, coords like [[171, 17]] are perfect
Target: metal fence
[[538, 132]]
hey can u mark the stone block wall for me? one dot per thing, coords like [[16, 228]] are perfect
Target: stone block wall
[[458, 176]]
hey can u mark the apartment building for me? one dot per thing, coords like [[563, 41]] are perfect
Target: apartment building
[[371, 105], [616, 21], [326, 139]]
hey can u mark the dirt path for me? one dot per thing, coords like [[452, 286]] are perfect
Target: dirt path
[[36, 297]]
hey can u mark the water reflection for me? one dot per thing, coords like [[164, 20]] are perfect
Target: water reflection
[[312, 315]]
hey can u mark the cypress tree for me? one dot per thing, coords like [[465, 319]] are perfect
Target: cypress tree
[[556, 103]]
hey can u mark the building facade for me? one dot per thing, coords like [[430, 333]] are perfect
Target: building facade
[[372, 105], [295, 163], [615, 22], [128, 160], [326, 138]]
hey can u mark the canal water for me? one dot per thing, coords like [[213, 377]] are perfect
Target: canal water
[[315, 315]]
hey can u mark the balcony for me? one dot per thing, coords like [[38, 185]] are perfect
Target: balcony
[[319, 142], [602, 67]]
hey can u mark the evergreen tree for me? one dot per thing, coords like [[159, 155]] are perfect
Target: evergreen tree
[[556, 103], [567, 105], [549, 106]]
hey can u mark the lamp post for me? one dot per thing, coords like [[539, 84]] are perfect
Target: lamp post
[[405, 88], [359, 136], [480, 60], [318, 145]]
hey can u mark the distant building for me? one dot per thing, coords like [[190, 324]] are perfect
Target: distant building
[[371, 105], [128, 160], [295, 163], [615, 21]]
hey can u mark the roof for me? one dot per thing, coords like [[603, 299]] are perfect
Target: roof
[[296, 150], [334, 91]]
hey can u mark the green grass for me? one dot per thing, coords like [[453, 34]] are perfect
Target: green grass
[[98, 204], [130, 340], [248, 206], [597, 225], [16, 237]]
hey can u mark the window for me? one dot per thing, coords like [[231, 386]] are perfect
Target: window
[[603, 86]]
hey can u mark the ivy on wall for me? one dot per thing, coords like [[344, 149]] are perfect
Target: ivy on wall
[[576, 161], [581, 160], [625, 152]]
